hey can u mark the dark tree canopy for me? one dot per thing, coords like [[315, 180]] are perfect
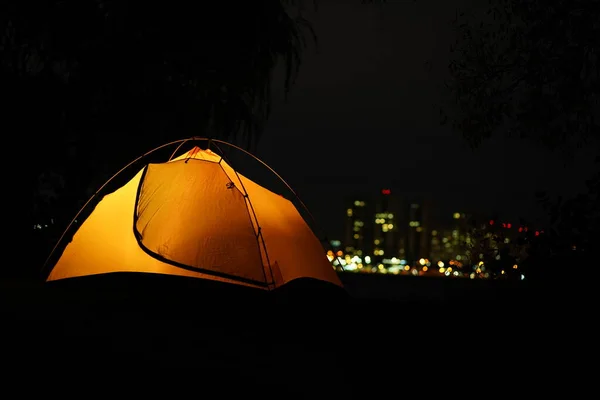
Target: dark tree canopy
[[159, 71], [92, 84], [528, 68]]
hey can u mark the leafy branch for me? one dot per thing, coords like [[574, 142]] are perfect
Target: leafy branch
[[528, 69]]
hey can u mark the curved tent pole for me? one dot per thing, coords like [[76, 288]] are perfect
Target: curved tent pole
[[182, 141], [314, 221], [274, 172], [178, 147], [260, 238]]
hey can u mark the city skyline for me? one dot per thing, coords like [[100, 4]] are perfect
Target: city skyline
[[436, 219], [387, 234]]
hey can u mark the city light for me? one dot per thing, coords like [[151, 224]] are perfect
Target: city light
[[389, 235]]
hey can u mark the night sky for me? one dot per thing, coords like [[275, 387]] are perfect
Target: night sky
[[363, 115]]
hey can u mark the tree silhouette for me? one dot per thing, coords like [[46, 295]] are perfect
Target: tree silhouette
[[573, 232], [95, 83], [495, 250], [125, 62], [529, 68]]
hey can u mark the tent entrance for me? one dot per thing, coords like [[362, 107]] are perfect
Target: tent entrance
[[189, 215]]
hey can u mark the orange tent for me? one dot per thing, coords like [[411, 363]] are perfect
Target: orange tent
[[195, 216]]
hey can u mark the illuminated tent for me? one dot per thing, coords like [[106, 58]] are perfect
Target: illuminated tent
[[195, 216]]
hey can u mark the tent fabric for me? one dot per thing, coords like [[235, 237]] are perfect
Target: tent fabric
[[195, 216]]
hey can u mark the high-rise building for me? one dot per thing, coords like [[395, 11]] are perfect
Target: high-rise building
[[386, 229], [358, 236], [437, 252], [459, 235], [451, 238], [418, 231], [425, 231], [387, 226]]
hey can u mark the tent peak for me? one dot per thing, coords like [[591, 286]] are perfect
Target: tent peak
[[198, 153]]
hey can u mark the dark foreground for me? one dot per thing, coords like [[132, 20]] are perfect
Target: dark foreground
[[304, 341]]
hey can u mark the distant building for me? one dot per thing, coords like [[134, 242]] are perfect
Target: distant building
[[417, 231], [358, 237], [387, 233], [450, 239]]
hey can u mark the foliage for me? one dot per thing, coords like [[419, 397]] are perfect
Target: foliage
[[94, 83], [574, 223], [565, 244], [498, 249], [528, 68], [205, 71]]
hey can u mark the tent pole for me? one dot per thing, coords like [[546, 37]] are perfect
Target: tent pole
[[181, 143], [99, 190], [314, 221], [259, 237], [184, 141]]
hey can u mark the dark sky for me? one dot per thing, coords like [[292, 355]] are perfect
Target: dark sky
[[363, 115]]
